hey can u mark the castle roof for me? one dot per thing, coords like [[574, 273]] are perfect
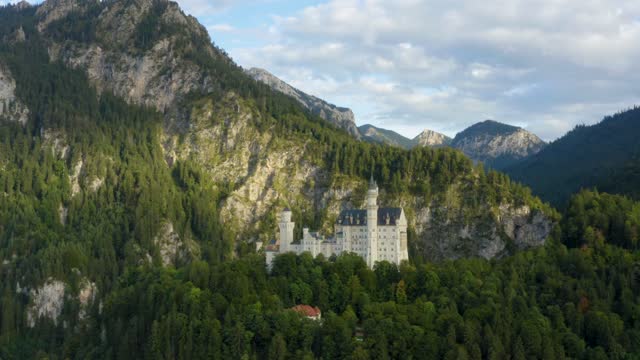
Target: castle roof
[[358, 217], [372, 183]]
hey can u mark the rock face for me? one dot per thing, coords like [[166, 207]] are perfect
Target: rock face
[[383, 136], [340, 117], [432, 139], [267, 171], [497, 145], [86, 296], [11, 109], [446, 233], [173, 249], [155, 77], [47, 302]]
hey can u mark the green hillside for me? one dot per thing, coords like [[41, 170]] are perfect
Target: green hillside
[[602, 156], [384, 136]]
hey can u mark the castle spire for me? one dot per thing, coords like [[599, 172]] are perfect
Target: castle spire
[[372, 183]]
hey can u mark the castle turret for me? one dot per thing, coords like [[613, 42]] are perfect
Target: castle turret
[[286, 230], [372, 223]]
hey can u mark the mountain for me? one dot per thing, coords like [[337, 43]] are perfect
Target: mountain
[[604, 155], [382, 136], [497, 145], [344, 118], [140, 165], [338, 116], [432, 139], [493, 143]]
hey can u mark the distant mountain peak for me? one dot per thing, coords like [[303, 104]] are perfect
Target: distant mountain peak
[[497, 144], [431, 138], [383, 136], [338, 116], [489, 127]]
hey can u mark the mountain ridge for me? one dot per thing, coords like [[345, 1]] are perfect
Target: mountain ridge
[[339, 116], [493, 143], [497, 144], [383, 136], [598, 156]]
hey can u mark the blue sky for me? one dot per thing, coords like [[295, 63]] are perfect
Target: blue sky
[[409, 65]]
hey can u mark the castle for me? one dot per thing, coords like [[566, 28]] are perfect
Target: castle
[[375, 234]]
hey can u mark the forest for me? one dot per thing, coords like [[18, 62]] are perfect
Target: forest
[[603, 156], [565, 300], [576, 297]]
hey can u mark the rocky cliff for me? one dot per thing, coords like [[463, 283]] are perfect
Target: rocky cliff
[[127, 51], [11, 108], [497, 145], [338, 116], [431, 138]]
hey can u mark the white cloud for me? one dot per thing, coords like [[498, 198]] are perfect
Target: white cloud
[[447, 64], [520, 90]]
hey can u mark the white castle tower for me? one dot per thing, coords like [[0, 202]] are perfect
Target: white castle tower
[[286, 231], [372, 223]]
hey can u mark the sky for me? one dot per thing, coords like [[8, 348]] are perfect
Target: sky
[[410, 65]]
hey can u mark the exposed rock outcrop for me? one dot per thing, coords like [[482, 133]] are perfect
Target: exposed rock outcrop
[[446, 233], [55, 140], [173, 249], [11, 108], [338, 116], [158, 76], [86, 297], [497, 145], [74, 177], [53, 10], [46, 302], [432, 139]]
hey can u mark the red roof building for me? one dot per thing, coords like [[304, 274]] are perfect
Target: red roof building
[[307, 311]]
